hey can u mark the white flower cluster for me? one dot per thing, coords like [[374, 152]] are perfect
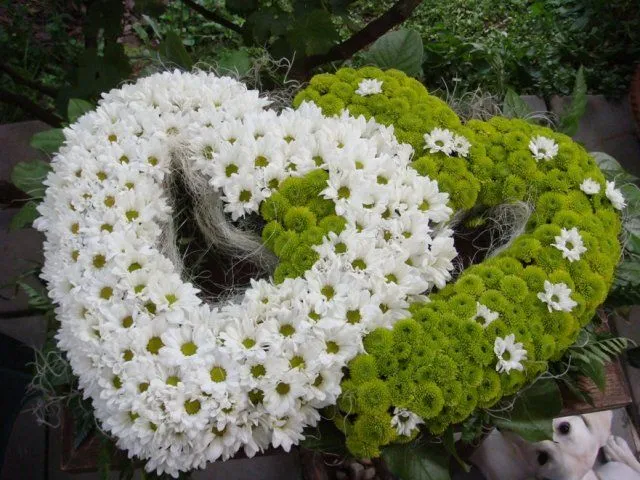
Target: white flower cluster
[[181, 383], [445, 141], [615, 196], [543, 148]]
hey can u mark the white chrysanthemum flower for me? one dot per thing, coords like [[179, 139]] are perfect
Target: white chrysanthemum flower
[[615, 196], [487, 315], [590, 186], [510, 354], [439, 140], [570, 243], [369, 86], [557, 296], [543, 148], [461, 145], [405, 421]]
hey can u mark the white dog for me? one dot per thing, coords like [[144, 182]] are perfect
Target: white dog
[[572, 455]]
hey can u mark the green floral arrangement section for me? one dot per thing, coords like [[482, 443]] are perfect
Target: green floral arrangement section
[[440, 364], [297, 218]]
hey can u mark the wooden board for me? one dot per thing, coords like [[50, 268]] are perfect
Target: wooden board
[[615, 395]]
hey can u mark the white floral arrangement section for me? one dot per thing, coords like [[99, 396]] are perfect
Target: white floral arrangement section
[[179, 382]]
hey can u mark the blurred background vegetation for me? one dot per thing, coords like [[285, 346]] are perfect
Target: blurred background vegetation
[[55, 50]]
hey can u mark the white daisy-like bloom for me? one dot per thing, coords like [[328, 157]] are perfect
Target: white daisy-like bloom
[[180, 383], [487, 315], [445, 141], [439, 140], [590, 186], [461, 145], [405, 421], [557, 296], [615, 196], [570, 243], [543, 148], [369, 86], [509, 353]]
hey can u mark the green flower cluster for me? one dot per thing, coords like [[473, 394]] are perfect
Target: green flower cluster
[[440, 363], [297, 218]]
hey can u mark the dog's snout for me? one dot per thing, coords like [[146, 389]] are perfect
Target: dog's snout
[[543, 457], [564, 428]]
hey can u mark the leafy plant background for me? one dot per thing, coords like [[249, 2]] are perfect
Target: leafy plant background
[[55, 50], [60, 55]]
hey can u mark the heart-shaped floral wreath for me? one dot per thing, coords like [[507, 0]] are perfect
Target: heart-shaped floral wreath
[[360, 237]]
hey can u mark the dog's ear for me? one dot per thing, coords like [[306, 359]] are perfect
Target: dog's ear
[[599, 424]]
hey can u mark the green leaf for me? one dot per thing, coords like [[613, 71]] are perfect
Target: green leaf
[[38, 299], [417, 462], [513, 106], [624, 296], [234, 61], [402, 49], [611, 168], [595, 371], [324, 437], [77, 107], [633, 240], [84, 422], [570, 117], [533, 411], [627, 273], [313, 33], [28, 177], [450, 445], [25, 216], [48, 141], [267, 22], [631, 195], [172, 49]]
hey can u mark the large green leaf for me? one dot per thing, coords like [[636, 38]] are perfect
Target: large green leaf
[[25, 216], [313, 33], [28, 177], [235, 61], [570, 117], [172, 49], [611, 167], [513, 106], [402, 49], [267, 22], [48, 141], [417, 462], [533, 411], [627, 273], [77, 107]]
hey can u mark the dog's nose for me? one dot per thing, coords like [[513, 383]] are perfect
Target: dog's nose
[[543, 457]]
